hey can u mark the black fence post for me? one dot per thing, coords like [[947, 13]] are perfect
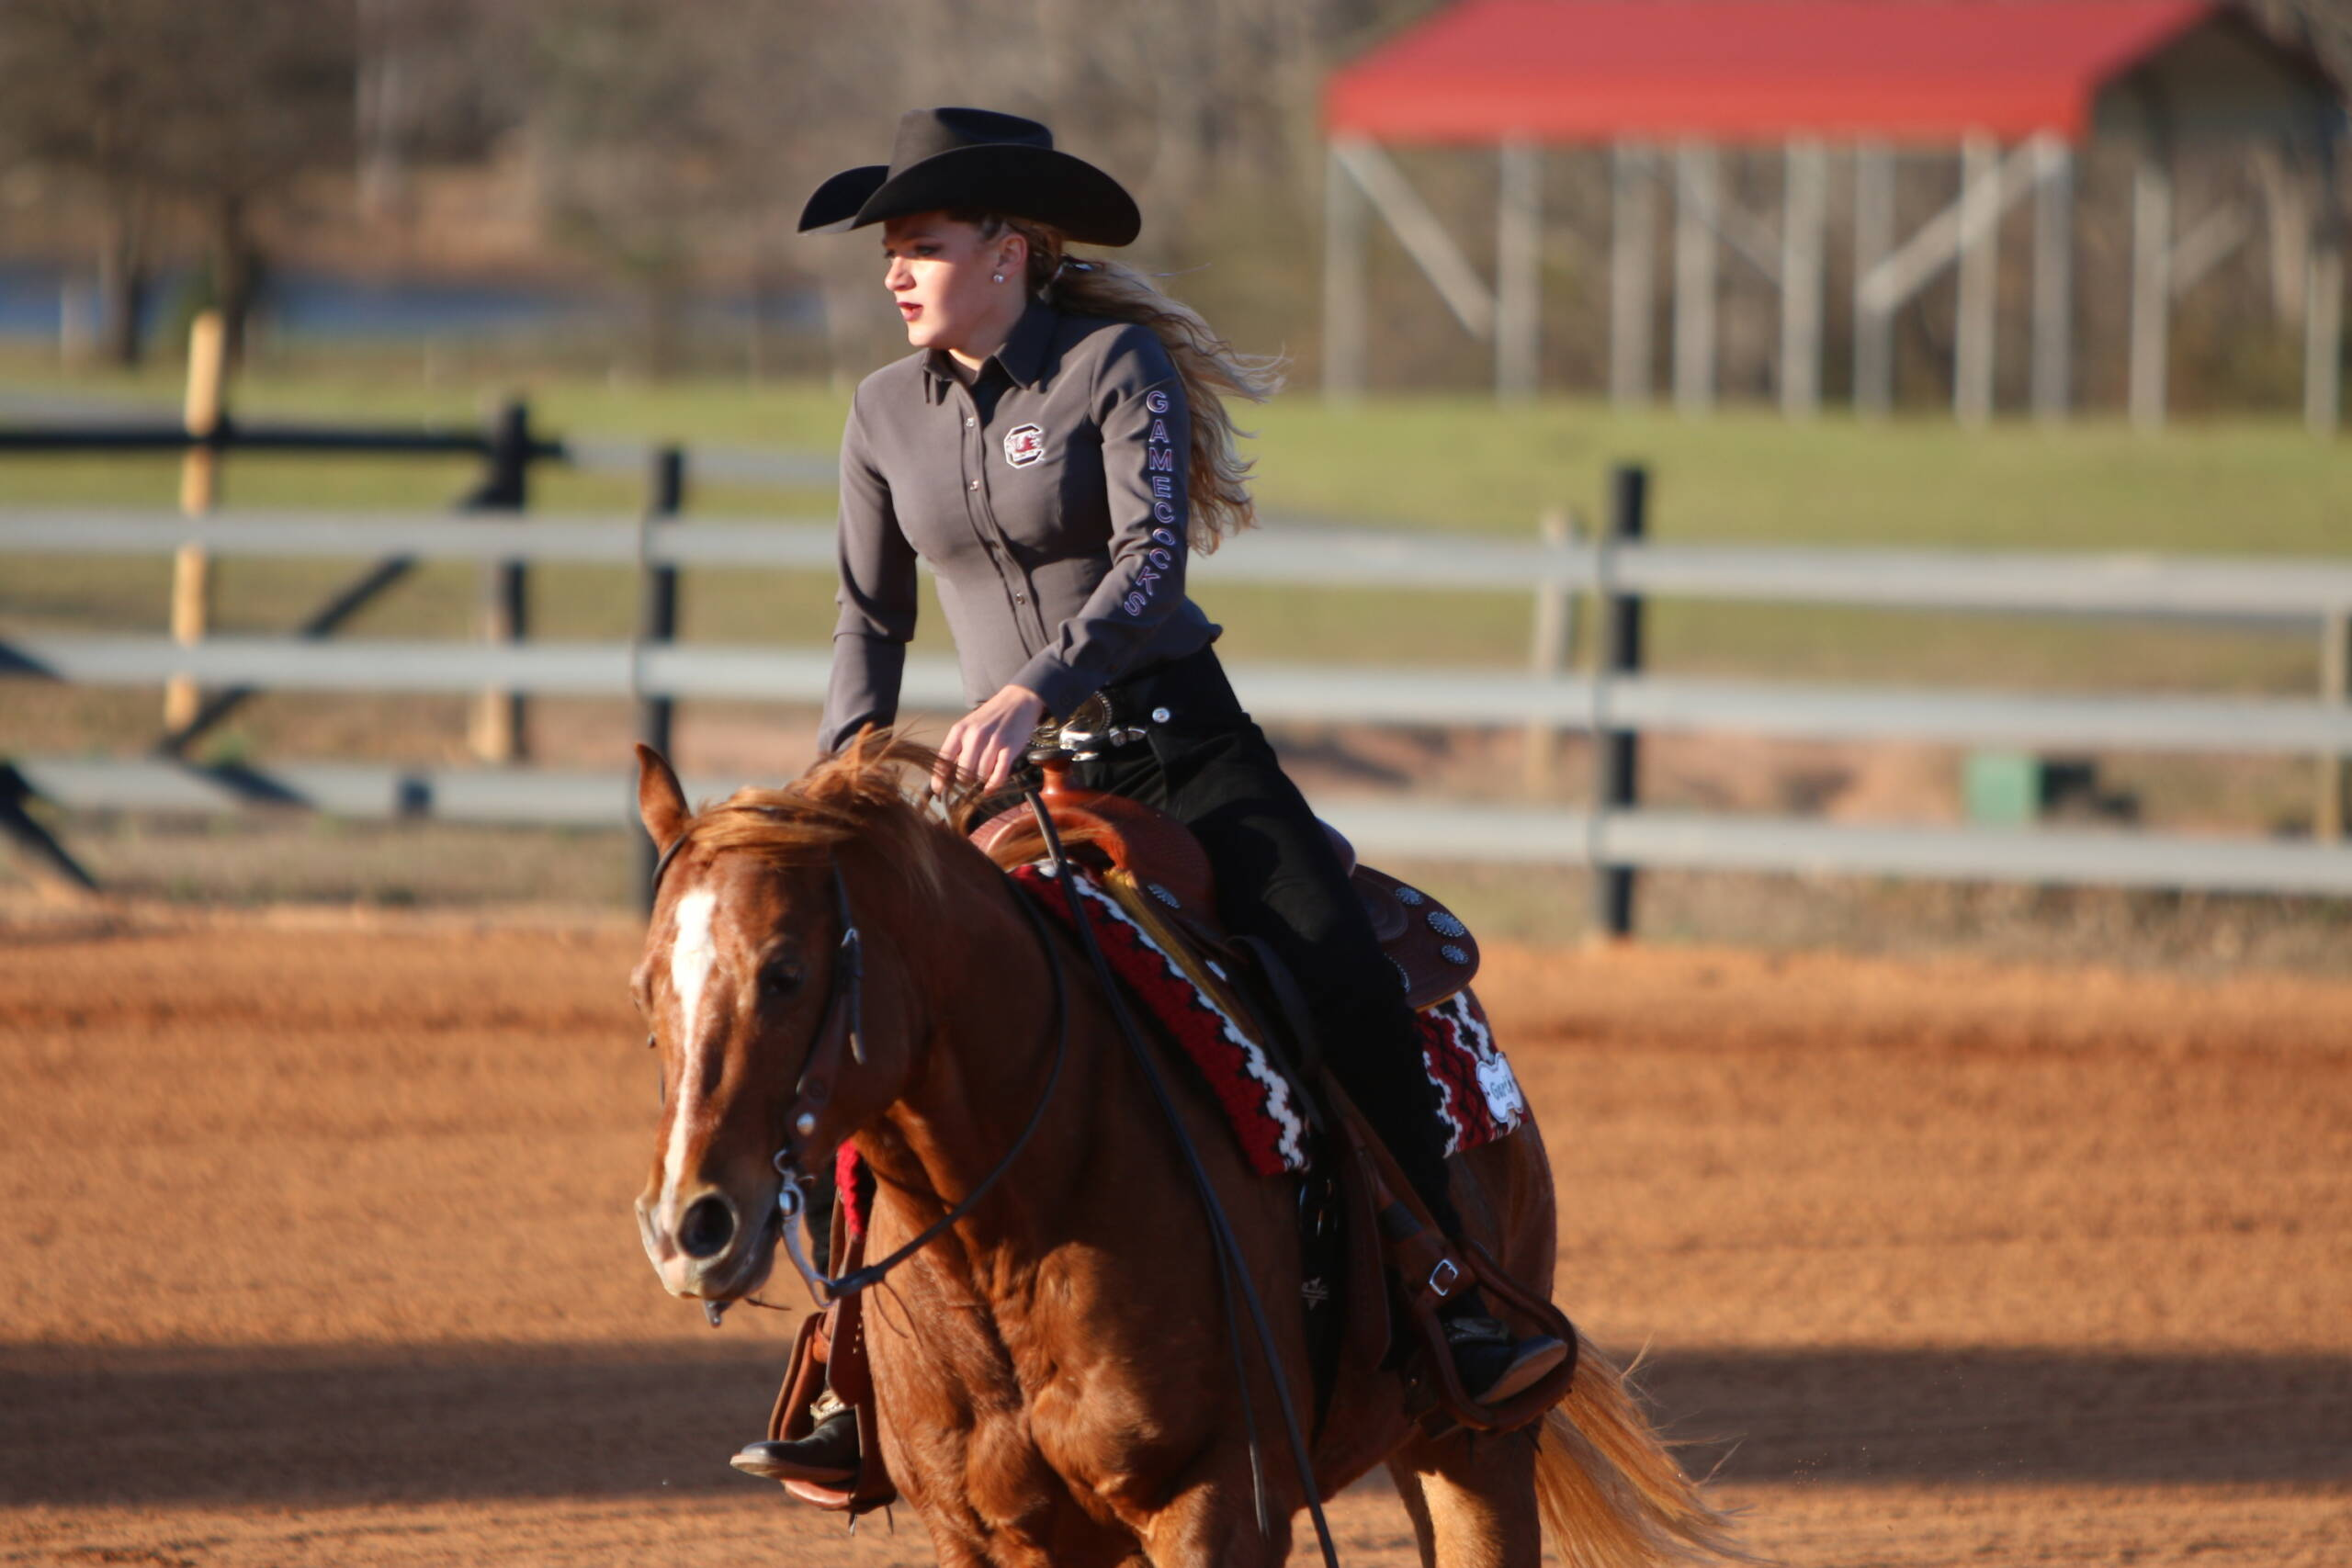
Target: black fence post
[[657, 625], [49, 859], [1617, 752], [500, 724]]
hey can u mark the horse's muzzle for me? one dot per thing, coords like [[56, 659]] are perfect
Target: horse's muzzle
[[705, 1246]]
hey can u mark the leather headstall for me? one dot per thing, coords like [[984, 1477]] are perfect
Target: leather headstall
[[821, 1071], [845, 988]]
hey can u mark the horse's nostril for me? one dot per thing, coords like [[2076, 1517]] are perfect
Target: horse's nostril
[[708, 1226]]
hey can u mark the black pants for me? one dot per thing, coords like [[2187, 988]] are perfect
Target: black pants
[[1278, 879]]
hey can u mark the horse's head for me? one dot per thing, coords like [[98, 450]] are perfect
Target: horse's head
[[750, 999]]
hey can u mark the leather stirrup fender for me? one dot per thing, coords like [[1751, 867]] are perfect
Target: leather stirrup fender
[[1429, 1271]]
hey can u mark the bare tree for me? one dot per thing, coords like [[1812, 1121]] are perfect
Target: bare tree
[[152, 104], [81, 93], [657, 124], [263, 93]]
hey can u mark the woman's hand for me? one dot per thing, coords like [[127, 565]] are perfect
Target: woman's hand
[[986, 742]]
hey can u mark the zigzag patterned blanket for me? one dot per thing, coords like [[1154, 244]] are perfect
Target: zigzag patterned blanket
[[1479, 1097]]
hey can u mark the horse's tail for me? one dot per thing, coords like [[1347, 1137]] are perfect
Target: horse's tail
[[1610, 1494]]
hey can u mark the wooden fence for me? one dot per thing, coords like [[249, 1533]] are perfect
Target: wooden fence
[[1616, 700]]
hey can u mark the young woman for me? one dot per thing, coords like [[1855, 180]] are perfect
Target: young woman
[[1056, 444]]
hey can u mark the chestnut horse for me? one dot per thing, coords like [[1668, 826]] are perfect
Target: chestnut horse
[[1052, 1372]]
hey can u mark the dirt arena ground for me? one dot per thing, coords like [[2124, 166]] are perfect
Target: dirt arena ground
[[319, 1251]]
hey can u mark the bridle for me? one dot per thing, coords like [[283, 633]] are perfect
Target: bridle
[[840, 1029], [822, 1070]]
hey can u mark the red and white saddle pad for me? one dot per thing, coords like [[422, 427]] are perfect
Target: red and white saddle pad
[[1478, 1096]]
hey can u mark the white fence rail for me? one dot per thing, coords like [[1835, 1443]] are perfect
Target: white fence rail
[[1619, 704], [2026, 582], [1490, 833], [1291, 693]]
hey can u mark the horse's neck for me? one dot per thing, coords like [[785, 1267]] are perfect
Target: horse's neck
[[989, 999]]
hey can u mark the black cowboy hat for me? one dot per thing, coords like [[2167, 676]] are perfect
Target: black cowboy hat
[[976, 160]]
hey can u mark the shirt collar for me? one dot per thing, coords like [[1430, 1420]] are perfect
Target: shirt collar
[[1021, 356]]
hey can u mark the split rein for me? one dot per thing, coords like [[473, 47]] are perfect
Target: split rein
[[846, 991]]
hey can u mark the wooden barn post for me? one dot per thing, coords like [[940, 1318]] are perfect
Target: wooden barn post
[[1978, 312], [1633, 270], [1698, 194], [1873, 237], [2053, 282], [2151, 226], [1346, 288], [1519, 270], [2324, 305], [2324, 340], [1804, 208]]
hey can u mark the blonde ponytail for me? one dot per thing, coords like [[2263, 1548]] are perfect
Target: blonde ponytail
[[1210, 368]]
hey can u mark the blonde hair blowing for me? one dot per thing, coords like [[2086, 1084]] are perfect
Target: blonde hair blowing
[[1218, 474]]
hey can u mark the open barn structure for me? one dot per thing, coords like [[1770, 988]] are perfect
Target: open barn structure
[[2014, 91]]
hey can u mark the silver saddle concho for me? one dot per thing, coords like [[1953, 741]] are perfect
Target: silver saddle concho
[[1090, 729]]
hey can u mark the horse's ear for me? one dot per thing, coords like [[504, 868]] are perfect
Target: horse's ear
[[661, 803]]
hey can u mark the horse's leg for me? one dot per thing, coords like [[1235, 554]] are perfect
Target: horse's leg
[[1214, 1524], [1476, 1494], [1416, 1508]]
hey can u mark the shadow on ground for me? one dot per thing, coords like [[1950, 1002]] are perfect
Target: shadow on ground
[[2008, 1416], [98, 1426]]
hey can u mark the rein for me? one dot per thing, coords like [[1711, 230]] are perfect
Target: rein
[[790, 1201], [817, 1079], [1232, 1264]]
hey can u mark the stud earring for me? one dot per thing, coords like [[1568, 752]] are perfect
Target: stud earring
[[999, 277]]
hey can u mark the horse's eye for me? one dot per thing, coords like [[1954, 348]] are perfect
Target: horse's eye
[[780, 978]]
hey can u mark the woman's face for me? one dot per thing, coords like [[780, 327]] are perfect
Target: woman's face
[[941, 275]]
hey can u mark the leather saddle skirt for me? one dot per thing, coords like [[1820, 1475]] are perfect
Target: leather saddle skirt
[[1432, 953]]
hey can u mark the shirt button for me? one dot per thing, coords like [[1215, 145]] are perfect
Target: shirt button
[[976, 484], [968, 422], [1021, 598]]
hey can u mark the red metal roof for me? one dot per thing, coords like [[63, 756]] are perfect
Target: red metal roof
[[1599, 70]]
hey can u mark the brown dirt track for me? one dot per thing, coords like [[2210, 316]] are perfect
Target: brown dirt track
[[320, 1251]]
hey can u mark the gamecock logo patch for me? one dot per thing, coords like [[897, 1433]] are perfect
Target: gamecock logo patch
[[1023, 445]]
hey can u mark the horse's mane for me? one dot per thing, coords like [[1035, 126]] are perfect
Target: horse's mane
[[870, 792]]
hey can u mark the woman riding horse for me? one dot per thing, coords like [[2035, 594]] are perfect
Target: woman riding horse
[[1053, 447]]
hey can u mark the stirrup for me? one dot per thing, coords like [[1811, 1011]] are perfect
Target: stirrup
[[1493, 1364]]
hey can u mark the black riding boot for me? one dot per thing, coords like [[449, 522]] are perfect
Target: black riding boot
[[827, 1456], [1492, 1363]]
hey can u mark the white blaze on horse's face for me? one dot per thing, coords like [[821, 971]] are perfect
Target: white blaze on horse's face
[[693, 953]]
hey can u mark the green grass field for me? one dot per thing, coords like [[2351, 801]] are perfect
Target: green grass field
[[1426, 462], [1432, 463]]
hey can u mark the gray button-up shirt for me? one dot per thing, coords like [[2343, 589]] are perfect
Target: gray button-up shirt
[[1049, 496]]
